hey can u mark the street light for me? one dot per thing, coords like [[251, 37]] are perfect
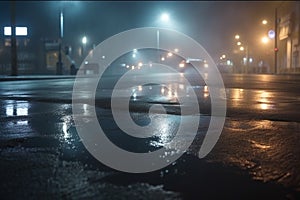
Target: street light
[[265, 40], [59, 63], [242, 48], [264, 22], [165, 19], [14, 57], [84, 42]]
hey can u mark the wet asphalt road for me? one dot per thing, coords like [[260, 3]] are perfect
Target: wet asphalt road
[[257, 155]]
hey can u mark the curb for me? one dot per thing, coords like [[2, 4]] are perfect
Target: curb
[[22, 78]]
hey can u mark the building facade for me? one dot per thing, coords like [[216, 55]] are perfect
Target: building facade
[[288, 19]]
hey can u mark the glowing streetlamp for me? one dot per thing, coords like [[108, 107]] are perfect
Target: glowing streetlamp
[[165, 19], [84, 42], [242, 48], [265, 40], [264, 22], [59, 64]]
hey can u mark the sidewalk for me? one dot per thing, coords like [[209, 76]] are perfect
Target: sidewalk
[[34, 77]]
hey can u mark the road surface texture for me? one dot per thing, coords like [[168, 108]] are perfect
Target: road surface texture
[[256, 157]]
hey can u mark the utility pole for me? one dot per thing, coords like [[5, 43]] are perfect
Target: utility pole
[[275, 42], [14, 64], [59, 64]]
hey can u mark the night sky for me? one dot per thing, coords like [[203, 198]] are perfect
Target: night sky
[[212, 23]]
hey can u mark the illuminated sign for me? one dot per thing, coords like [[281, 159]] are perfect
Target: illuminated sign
[[271, 34], [20, 31]]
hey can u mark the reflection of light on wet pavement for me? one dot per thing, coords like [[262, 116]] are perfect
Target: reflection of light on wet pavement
[[264, 106], [237, 94], [260, 146], [263, 98], [205, 91], [65, 130], [25, 122], [165, 127], [205, 88], [85, 109], [9, 111], [206, 95], [241, 98], [268, 149], [67, 122], [17, 108], [164, 136], [17, 124]]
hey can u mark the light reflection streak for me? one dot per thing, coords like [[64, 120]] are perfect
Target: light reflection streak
[[263, 100], [238, 94], [205, 91], [260, 146], [25, 122], [65, 130], [163, 129], [18, 108], [205, 88]]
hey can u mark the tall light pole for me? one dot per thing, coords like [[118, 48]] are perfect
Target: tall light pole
[[59, 64], [164, 18], [272, 34], [14, 64], [275, 42]]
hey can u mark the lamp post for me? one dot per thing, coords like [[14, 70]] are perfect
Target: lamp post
[[164, 18], [59, 64], [272, 34], [14, 66], [242, 48], [275, 42]]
